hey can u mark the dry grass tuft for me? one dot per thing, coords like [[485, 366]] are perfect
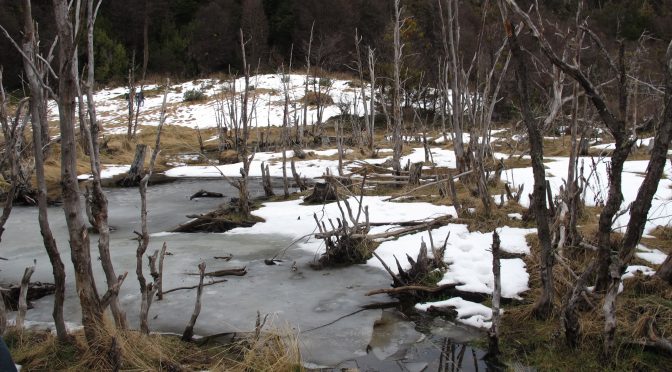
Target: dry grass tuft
[[541, 343], [40, 350]]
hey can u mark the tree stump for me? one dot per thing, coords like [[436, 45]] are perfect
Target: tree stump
[[137, 168], [415, 170], [323, 192]]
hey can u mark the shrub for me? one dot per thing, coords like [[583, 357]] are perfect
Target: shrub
[[326, 82], [193, 95]]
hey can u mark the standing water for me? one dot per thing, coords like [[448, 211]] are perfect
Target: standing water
[[322, 307]]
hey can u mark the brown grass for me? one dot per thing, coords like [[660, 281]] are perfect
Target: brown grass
[[40, 350], [541, 343]]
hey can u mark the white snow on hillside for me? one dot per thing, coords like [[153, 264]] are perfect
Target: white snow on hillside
[[265, 105]]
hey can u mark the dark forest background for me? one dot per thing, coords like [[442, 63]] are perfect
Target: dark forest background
[[190, 38]]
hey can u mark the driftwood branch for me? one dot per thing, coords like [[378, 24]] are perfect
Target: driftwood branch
[[193, 286]]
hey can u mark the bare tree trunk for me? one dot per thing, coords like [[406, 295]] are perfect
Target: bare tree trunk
[[131, 97], [39, 122], [135, 175], [305, 90], [654, 171], [243, 195], [544, 305], [23, 293], [159, 282], [92, 311], [99, 200], [493, 333], [189, 330], [396, 95], [147, 291], [665, 270], [372, 109], [615, 125], [451, 40], [3, 315], [266, 180]]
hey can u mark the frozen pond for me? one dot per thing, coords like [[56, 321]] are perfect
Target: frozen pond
[[299, 300]]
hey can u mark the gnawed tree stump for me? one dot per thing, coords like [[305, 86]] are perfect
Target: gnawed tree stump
[[415, 172], [323, 192], [266, 180], [206, 194], [135, 174]]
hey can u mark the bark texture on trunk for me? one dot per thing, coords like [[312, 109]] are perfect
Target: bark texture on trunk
[[544, 305], [92, 311], [39, 121]]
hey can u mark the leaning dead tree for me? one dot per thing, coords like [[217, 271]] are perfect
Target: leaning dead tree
[[188, 333]]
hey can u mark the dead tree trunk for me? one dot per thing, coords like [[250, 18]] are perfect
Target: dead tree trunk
[[297, 178], [92, 309], [13, 134], [135, 174], [544, 305], [616, 127], [396, 94], [570, 318], [98, 203], [23, 303], [665, 270], [3, 314], [654, 171], [151, 288], [266, 180], [189, 330], [415, 172], [493, 333], [147, 291], [35, 72], [159, 282], [372, 108]]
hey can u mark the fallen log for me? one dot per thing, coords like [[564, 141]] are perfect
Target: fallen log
[[206, 194], [36, 290], [413, 288], [429, 184], [225, 272], [411, 228]]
